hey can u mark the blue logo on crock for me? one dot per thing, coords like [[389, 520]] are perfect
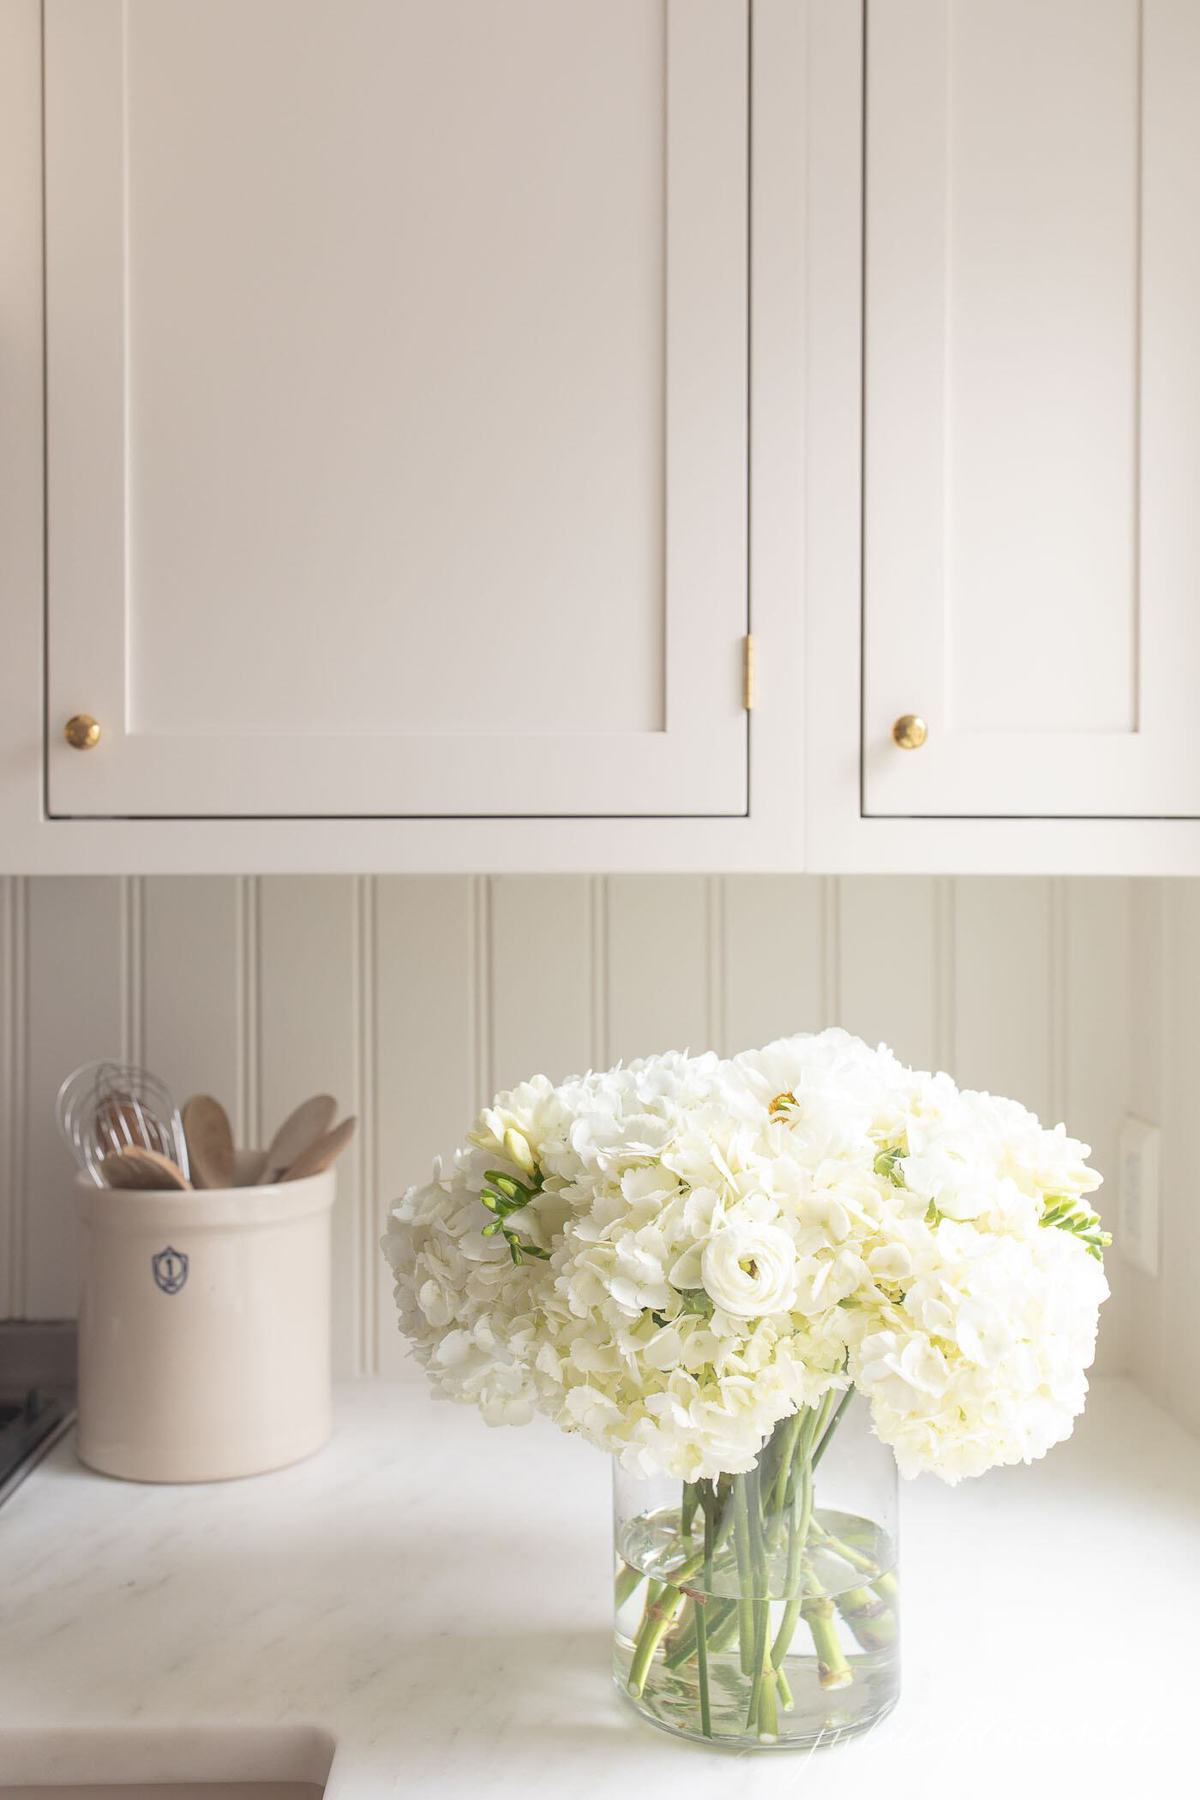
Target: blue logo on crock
[[170, 1269]]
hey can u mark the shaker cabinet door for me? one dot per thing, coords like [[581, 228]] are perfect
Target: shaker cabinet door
[[396, 406], [1032, 407]]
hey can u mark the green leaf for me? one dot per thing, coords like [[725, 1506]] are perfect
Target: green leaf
[[1071, 1215], [509, 1186], [697, 1302], [887, 1164], [507, 1195]]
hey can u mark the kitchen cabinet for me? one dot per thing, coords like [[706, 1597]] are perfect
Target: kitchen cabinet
[[1032, 407], [420, 417], [396, 373]]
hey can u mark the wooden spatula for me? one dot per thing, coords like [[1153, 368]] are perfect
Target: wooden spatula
[[145, 1169], [210, 1142], [299, 1131], [318, 1156]]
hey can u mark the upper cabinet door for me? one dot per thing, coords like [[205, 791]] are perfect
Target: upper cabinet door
[[396, 390], [1032, 406]]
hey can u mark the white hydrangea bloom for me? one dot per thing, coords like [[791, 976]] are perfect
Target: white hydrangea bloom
[[672, 1255]]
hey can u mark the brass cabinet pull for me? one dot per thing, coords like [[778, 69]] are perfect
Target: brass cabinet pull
[[910, 731], [82, 732]]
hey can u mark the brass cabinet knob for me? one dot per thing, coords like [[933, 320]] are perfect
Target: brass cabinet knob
[[910, 731], [82, 732]]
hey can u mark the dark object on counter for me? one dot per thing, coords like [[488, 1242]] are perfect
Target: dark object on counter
[[37, 1395]]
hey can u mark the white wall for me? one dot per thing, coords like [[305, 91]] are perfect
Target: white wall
[[414, 998]]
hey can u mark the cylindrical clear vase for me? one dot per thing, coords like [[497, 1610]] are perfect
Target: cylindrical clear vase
[[762, 1610]]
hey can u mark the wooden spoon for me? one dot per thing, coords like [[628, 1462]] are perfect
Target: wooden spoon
[[209, 1141], [299, 1131], [318, 1156], [144, 1169]]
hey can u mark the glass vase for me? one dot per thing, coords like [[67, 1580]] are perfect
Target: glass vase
[[762, 1610]]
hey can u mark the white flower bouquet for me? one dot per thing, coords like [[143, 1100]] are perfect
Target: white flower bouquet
[[694, 1262]]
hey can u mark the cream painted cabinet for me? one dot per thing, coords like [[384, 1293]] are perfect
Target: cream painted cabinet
[[396, 407], [1032, 409], [409, 409]]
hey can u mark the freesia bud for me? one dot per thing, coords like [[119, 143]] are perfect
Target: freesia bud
[[516, 1145]]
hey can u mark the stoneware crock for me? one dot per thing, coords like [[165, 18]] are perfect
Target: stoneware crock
[[204, 1342]]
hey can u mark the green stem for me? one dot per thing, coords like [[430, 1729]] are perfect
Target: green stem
[[654, 1629], [721, 1627], [654, 1592], [777, 1493], [833, 1671], [870, 1619], [683, 1630], [720, 1623], [741, 1545], [858, 1559], [884, 1583], [707, 1500], [768, 1713], [687, 1570], [628, 1581], [828, 1431], [798, 1528], [760, 1601], [887, 1587]]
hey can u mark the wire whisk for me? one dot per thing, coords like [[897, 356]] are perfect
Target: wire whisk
[[106, 1107]]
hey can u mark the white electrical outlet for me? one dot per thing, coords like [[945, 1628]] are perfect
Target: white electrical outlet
[[1137, 1195]]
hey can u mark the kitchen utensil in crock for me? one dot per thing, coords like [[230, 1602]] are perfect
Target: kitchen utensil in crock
[[136, 1167], [318, 1156], [107, 1107], [299, 1131], [210, 1142]]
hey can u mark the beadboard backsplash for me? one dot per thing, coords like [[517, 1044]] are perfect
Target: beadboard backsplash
[[414, 998]]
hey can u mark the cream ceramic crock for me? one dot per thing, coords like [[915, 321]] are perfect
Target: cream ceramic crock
[[204, 1329]]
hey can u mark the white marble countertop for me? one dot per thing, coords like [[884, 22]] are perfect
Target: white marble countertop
[[434, 1596]]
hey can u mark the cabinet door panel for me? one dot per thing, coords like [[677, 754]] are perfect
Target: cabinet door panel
[[397, 405], [1032, 406]]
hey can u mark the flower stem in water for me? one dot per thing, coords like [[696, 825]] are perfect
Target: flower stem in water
[[708, 1501]]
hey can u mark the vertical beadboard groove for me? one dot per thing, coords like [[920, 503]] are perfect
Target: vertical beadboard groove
[[366, 1106], [1058, 1020], [598, 969], [831, 950], [249, 990], [483, 1058], [133, 970], [717, 996], [945, 964], [356, 1275]]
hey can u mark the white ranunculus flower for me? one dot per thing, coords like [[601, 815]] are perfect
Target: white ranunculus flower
[[748, 1268]]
